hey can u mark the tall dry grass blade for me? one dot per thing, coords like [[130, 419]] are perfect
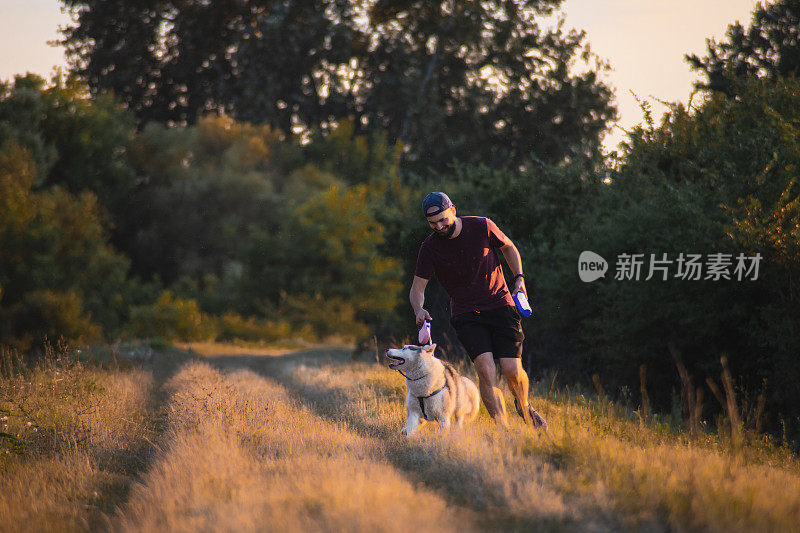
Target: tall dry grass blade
[[688, 396], [697, 412], [730, 403], [762, 400], [644, 412], [601, 394], [715, 390]]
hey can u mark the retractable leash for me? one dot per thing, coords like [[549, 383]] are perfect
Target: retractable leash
[[424, 336], [523, 306]]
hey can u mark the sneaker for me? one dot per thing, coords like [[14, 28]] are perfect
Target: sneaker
[[536, 420]]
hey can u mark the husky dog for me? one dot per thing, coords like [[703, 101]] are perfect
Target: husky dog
[[435, 390]]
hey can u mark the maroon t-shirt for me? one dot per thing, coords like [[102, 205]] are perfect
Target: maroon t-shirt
[[467, 266]]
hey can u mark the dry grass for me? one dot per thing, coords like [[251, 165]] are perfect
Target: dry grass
[[594, 470], [241, 455], [73, 438], [311, 441]]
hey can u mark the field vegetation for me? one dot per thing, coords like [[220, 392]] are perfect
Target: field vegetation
[[251, 440]]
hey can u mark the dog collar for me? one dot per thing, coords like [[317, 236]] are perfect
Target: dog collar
[[410, 379]]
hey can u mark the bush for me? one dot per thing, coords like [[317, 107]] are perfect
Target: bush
[[46, 314], [235, 327], [171, 318], [325, 317]]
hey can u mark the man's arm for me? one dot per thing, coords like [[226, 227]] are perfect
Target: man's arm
[[514, 261], [417, 298]]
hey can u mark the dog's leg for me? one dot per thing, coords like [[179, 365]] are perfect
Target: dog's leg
[[412, 423]]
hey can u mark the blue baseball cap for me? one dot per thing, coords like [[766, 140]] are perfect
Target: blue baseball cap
[[438, 200]]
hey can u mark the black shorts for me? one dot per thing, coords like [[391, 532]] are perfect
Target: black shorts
[[497, 330]]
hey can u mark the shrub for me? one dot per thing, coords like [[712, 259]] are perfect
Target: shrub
[[235, 327], [47, 314], [171, 318]]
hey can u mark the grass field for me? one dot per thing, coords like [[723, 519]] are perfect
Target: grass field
[[218, 439]]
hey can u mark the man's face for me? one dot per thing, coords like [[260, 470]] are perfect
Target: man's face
[[443, 224]]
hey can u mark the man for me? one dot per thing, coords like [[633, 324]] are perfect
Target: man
[[460, 252]]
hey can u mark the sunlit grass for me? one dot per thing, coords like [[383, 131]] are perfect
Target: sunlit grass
[[594, 461], [311, 441], [73, 437], [241, 454]]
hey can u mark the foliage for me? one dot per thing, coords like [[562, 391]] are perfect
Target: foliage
[[327, 254], [720, 179], [234, 327], [236, 217], [769, 48], [77, 142], [473, 81], [55, 248], [171, 318], [482, 82], [172, 61], [202, 188]]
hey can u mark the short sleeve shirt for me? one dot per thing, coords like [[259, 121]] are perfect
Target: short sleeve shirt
[[467, 266]]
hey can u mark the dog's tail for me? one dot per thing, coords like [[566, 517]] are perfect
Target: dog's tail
[[473, 396]]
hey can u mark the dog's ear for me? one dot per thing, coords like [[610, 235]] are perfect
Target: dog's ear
[[429, 349]]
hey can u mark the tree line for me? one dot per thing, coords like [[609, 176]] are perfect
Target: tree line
[[261, 179]]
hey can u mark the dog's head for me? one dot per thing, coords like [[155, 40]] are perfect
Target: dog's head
[[409, 356]]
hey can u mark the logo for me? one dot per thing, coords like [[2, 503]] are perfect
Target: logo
[[591, 266], [685, 266]]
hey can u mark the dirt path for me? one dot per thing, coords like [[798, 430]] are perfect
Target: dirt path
[[241, 454], [472, 470], [309, 440]]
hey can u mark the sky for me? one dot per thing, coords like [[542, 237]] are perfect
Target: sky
[[644, 40]]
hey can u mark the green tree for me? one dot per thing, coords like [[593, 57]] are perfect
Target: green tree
[[718, 179], [173, 60], [769, 48], [202, 188], [481, 82], [474, 81], [78, 143], [59, 274]]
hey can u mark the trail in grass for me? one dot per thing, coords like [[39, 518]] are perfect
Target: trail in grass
[[485, 469], [241, 454], [310, 441], [594, 471], [86, 434]]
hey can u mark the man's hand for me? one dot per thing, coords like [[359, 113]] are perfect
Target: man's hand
[[519, 285], [422, 316]]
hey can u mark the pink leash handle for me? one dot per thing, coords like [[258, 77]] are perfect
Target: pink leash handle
[[425, 333]]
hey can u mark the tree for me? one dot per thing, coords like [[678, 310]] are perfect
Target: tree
[[719, 179], [172, 60], [59, 274], [769, 48], [481, 82], [478, 81], [77, 142], [201, 190]]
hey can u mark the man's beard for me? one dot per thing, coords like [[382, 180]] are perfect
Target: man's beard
[[447, 233]]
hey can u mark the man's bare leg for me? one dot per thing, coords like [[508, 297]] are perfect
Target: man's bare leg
[[517, 380], [487, 384], [519, 384]]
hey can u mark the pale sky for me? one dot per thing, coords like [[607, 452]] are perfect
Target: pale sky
[[644, 40]]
